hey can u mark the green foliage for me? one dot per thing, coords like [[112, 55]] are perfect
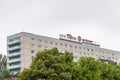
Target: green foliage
[[5, 74], [51, 65], [3, 62], [89, 69]]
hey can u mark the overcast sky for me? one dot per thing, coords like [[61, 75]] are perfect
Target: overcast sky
[[97, 20]]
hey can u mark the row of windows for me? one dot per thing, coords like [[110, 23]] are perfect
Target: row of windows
[[77, 47], [33, 39], [61, 44], [94, 55], [80, 53], [47, 44], [70, 46]]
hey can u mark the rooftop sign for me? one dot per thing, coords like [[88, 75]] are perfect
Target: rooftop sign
[[78, 39], [87, 41], [69, 37]]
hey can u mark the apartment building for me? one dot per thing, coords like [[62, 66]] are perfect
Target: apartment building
[[22, 48]]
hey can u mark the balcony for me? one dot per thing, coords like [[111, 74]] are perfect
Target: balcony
[[14, 60], [105, 59], [14, 48], [13, 54], [15, 69], [14, 42], [14, 66]]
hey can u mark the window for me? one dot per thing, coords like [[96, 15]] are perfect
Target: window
[[46, 42], [32, 51], [65, 45], [39, 40], [39, 47], [32, 39], [92, 50], [51, 42], [32, 45], [76, 57], [112, 54], [75, 47], [87, 49]]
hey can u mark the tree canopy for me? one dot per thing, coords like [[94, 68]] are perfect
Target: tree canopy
[[4, 73], [3, 62], [52, 65], [49, 65]]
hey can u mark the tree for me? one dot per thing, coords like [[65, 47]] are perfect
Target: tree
[[87, 69], [3, 62], [91, 69], [4, 73], [116, 72], [110, 71], [0, 61], [49, 65]]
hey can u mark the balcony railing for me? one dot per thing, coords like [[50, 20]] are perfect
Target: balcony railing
[[13, 54], [14, 48], [14, 66], [15, 41], [14, 60]]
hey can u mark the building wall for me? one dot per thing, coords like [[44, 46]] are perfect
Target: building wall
[[31, 44]]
